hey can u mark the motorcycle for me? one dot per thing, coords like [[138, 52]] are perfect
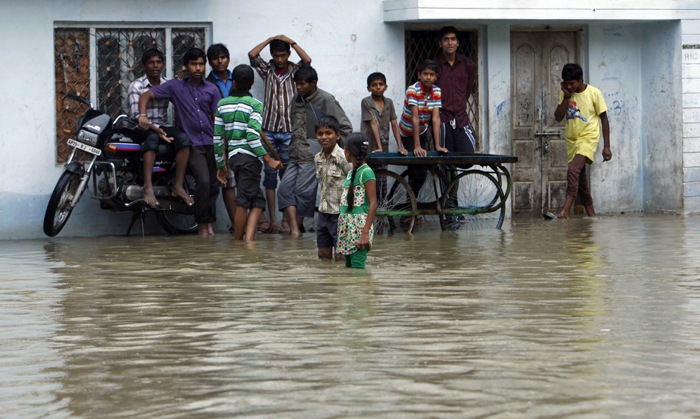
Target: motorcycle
[[114, 163]]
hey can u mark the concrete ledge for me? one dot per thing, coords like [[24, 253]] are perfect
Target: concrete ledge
[[620, 10]]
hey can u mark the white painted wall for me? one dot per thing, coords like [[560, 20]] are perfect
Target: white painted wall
[[690, 59], [661, 122], [624, 60], [540, 10], [344, 49], [613, 65]]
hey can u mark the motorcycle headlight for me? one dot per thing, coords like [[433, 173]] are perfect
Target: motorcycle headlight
[[87, 137]]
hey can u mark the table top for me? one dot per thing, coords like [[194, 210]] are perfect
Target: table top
[[434, 157]]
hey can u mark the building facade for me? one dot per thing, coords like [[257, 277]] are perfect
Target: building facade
[[644, 55]]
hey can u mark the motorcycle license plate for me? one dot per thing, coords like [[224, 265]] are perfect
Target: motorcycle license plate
[[84, 147]]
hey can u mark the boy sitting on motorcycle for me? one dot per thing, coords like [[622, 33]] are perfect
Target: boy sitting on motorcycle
[[156, 112]]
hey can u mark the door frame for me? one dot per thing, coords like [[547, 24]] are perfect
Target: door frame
[[580, 37]]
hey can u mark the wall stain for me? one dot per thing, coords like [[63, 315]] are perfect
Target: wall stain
[[499, 108]]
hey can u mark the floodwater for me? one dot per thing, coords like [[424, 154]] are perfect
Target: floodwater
[[584, 318]]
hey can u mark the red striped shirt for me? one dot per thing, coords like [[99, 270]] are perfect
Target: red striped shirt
[[425, 101]]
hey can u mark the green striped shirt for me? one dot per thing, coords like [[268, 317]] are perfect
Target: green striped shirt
[[238, 120]]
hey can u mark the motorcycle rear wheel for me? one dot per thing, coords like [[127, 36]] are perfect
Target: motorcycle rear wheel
[[58, 210], [175, 222]]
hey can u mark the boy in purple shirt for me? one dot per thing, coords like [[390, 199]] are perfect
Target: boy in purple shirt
[[195, 101]]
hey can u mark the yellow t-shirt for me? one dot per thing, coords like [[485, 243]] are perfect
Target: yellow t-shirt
[[583, 122]]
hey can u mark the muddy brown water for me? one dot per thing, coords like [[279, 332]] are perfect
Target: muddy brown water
[[586, 318]]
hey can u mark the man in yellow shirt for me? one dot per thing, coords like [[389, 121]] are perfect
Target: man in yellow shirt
[[586, 113]]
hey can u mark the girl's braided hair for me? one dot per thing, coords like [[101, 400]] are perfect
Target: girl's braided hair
[[358, 146]]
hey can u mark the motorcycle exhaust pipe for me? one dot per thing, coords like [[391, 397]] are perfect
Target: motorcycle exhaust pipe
[[135, 192]]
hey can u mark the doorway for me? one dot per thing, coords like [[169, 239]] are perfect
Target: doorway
[[539, 177], [422, 44]]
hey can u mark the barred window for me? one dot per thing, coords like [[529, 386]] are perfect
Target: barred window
[[113, 53], [422, 44]]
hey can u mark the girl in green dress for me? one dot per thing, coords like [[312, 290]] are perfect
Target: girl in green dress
[[358, 204]]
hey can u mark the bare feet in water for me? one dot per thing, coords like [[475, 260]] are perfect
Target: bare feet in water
[[285, 227], [590, 211], [205, 230]]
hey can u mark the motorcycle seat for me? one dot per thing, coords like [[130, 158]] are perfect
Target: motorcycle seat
[[165, 150]]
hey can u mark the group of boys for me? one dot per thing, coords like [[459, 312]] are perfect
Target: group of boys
[[223, 126], [197, 102], [226, 133]]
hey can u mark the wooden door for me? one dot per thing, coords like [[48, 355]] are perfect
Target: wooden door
[[539, 177]]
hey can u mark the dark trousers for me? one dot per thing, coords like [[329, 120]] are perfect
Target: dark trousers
[[203, 167], [457, 139], [416, 173], [577, 180]]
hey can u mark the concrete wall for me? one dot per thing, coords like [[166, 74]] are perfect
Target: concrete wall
[[661, 122], [656, 136], [690, 59], [343, 53], [635, 63], [612, 63], [642, 92]]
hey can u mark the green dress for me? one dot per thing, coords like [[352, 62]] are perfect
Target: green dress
[[350, 224]]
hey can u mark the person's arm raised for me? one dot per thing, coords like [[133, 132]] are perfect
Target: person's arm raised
[[255, 52]]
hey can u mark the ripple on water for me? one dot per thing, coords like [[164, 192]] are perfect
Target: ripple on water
[[582, 318]]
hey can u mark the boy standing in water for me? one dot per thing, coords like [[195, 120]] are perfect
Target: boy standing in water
[[237, 144], [195, 101], [297, 191], [219, 58], [586, 113], [278, 76], [331, 169]]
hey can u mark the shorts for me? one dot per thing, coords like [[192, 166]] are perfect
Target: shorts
[[247, 170], [298, 188], [230, 179], [326, 230], [152, 140]]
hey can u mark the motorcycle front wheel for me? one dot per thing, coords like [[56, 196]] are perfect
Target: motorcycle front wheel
[[175, 222], [58, 210]]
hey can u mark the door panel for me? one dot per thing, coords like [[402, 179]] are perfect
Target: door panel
[[539, 177]]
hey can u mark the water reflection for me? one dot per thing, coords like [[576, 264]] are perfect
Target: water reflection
[[590, 318]]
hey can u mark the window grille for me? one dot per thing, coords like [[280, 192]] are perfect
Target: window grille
[[116, 59], [422, 44]]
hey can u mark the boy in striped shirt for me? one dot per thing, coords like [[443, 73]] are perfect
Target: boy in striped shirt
[[237, 126], [421, 109]]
